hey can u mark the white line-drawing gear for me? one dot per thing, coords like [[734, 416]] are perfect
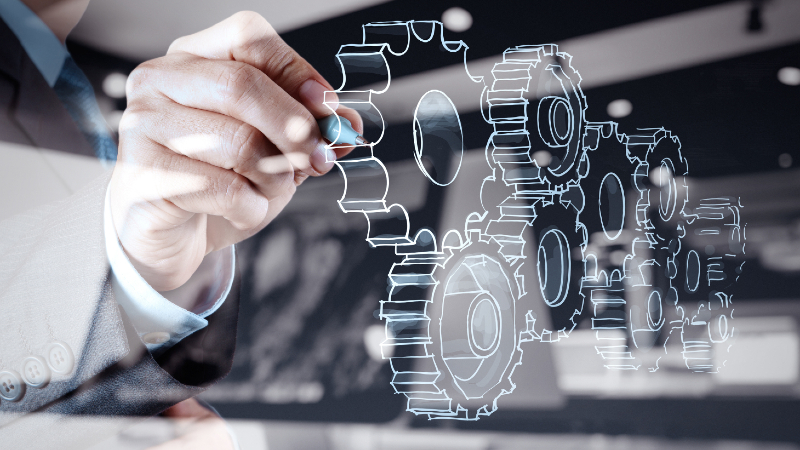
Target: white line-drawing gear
[[455, 360]]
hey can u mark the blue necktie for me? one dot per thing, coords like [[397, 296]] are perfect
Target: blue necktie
[[77, 95]]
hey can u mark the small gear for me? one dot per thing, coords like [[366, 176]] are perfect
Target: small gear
[[704, 278], [630, 273], [554, 125], [650, 269], [603, 287]]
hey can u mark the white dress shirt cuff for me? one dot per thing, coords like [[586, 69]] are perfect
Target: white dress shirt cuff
[[158, 319]]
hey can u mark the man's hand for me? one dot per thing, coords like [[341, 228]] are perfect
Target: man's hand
[[216, 137]]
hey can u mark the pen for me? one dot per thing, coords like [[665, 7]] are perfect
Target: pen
[[329, 126]]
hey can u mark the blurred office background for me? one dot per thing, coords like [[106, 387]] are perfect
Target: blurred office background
[[722, 75]]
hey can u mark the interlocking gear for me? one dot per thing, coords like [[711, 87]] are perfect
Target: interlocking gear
[[438, 136], [466, 353], [640, 281], [459, 309], [706, 278], [537, 156]]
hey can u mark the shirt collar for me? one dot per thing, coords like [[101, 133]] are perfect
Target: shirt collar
[[41, 45]]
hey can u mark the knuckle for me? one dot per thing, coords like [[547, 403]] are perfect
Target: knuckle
[[139, 78], [283, 63], [299, 126], [177, 43], [247, 17], [286, 184], [250, 26], [131, 119], [246, 142], [235, 82], [235, 189]]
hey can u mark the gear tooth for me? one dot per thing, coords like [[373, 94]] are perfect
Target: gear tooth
[[366, 183], [524, 53], [420, 380], [387, 228], [521, 172], [396, 35], [404, 293], [424, 403], [363, 65], [519, 208], [406, 308], [507, 229], [424, 30], [413, 346], [407, 327], [512, 147], [452, 240], [511, 76], [507, 110], [424, 243]]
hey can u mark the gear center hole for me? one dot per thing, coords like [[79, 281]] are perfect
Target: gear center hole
[[484, 324]]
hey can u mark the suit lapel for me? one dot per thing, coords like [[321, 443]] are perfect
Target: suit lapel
[[10, 52], [37, 109]]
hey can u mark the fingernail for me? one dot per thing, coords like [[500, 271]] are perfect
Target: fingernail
[[312, 94], [322, 158]]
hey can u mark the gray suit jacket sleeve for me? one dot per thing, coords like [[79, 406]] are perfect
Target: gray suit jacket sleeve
[[54, 286]]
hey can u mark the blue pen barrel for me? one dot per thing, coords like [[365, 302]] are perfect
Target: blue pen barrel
[[332, 130]]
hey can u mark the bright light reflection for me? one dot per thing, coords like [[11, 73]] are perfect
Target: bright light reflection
[[619, 108], [457, 19], [660, 176], [194, 143], [785, 160], [114, 85], [789, 76], [374, 335], [542, 158], [298, 129]]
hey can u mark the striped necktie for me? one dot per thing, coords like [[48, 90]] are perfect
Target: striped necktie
[[77, 95]]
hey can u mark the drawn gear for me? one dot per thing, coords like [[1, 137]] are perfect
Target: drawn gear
[[466, 331], [712, 265], [523, 191], [367, 64], [651, 266]]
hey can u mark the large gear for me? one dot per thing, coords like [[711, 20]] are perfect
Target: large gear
[[437, 131], [466, 352]]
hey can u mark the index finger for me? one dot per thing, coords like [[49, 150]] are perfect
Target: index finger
[[247, 37]]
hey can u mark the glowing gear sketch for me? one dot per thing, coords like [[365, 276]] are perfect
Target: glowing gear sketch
[[635, 293], [537, 157], [468, 351], [706, 277], [456, 313], [438, 137]]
